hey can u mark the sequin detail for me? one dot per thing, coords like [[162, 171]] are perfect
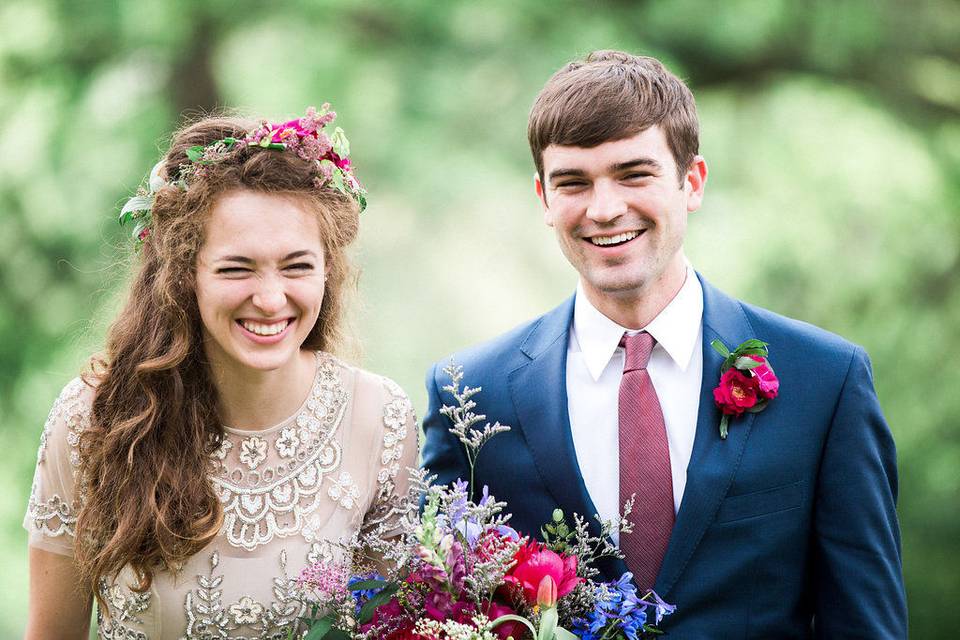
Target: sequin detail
[[52, 517], [208, 617], [388, 507], [260, 501], [124, 607]]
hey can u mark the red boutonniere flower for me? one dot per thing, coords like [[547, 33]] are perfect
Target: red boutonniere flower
[[747, 382]]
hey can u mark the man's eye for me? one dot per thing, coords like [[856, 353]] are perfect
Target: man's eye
[[571, 184], [636, 175]]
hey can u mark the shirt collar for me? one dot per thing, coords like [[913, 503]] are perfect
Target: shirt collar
[[676, 328]]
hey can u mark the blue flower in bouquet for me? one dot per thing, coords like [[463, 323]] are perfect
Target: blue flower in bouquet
[[617, 608], [361, 596]]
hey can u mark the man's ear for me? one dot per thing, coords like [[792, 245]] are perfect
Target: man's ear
[[542, 196], [694, 182]]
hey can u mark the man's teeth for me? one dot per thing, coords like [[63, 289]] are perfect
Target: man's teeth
[[265, 329], [617, 239]]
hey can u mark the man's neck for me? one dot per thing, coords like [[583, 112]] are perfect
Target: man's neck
[[254, 400], [637, 308]]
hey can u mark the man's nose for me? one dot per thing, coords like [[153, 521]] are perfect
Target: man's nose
[[607, 204], [270, 296]]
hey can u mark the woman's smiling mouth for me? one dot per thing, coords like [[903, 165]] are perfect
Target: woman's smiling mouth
[[264, 332]]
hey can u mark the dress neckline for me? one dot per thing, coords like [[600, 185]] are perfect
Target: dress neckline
[[286, 421]]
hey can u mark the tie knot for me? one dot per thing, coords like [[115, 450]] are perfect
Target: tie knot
[[637, 349]]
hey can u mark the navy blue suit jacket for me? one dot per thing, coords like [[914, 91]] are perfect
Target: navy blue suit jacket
[[787, 529]]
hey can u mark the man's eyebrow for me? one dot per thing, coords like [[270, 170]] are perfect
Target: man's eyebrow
[[565, 173], [637, 162], [290, 256], [616, 168]]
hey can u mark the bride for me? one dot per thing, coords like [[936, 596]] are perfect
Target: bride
[[188, 477]]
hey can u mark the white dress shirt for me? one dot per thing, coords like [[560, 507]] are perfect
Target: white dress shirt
[[594, 369]]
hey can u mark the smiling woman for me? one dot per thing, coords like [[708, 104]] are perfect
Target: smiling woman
[[218, 444]]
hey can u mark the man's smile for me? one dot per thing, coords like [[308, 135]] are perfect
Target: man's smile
[[614, 240]]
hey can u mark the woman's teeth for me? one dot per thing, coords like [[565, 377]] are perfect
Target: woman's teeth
[[264, 329], [603, 241]]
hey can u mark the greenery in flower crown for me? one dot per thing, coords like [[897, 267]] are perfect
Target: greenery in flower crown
[[304, 136]]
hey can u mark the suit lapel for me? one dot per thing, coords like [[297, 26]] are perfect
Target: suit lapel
[[539, 392], [713, 462]]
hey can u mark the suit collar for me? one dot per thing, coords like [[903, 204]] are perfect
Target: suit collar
[[675, 328], [713, 462]]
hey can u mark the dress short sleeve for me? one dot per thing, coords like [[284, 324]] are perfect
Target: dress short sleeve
[[398, 451], [54, 501]]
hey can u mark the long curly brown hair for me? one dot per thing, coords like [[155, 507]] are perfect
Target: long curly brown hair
[[146, 457]]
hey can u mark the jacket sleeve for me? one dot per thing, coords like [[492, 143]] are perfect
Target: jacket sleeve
[[857, 570], [443, 454]]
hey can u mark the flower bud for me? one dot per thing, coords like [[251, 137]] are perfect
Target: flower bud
[[547, 592]]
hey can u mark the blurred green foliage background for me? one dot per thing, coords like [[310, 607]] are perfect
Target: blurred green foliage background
[[831, 127]]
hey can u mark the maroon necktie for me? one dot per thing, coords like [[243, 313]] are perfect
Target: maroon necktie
[[644, 464]]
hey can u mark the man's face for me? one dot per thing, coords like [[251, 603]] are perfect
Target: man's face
[[620, 213]]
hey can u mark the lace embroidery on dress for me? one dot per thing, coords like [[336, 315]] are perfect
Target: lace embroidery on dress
[[344, 491], [261, 501], [207, 617], [387, 505], [53, 516], [123, 606]]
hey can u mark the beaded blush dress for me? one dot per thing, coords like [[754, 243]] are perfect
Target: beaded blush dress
[[337, 466]]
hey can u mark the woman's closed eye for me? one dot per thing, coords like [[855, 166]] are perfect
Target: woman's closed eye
[[228, 271]]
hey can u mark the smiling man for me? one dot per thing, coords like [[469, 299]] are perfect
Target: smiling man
[[783, 525]]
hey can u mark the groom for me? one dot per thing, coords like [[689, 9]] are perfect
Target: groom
[[787, 527]]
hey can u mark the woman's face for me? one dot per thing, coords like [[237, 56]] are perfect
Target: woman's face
[[260, 280]]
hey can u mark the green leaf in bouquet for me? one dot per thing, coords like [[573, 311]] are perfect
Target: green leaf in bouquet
[[367, 585], [336, 634], [510, 617], [563, 634], [320, 628], [548, 624], [724, 424], [366, 611]]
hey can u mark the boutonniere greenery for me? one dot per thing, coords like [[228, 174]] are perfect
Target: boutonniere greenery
[[747, 382]]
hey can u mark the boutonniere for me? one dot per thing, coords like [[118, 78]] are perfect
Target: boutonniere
[[747, 382]]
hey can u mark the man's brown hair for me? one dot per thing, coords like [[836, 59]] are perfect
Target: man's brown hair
[[609, 96]]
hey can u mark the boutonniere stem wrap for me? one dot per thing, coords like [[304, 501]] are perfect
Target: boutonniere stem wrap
[[747, 381]]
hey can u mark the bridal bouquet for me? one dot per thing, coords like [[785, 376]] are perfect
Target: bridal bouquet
[[458, 571]]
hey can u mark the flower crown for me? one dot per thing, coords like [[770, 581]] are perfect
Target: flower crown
[[303, 136]]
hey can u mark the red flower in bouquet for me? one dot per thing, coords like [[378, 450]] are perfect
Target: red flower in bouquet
[[534, 562], [504, 630]]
